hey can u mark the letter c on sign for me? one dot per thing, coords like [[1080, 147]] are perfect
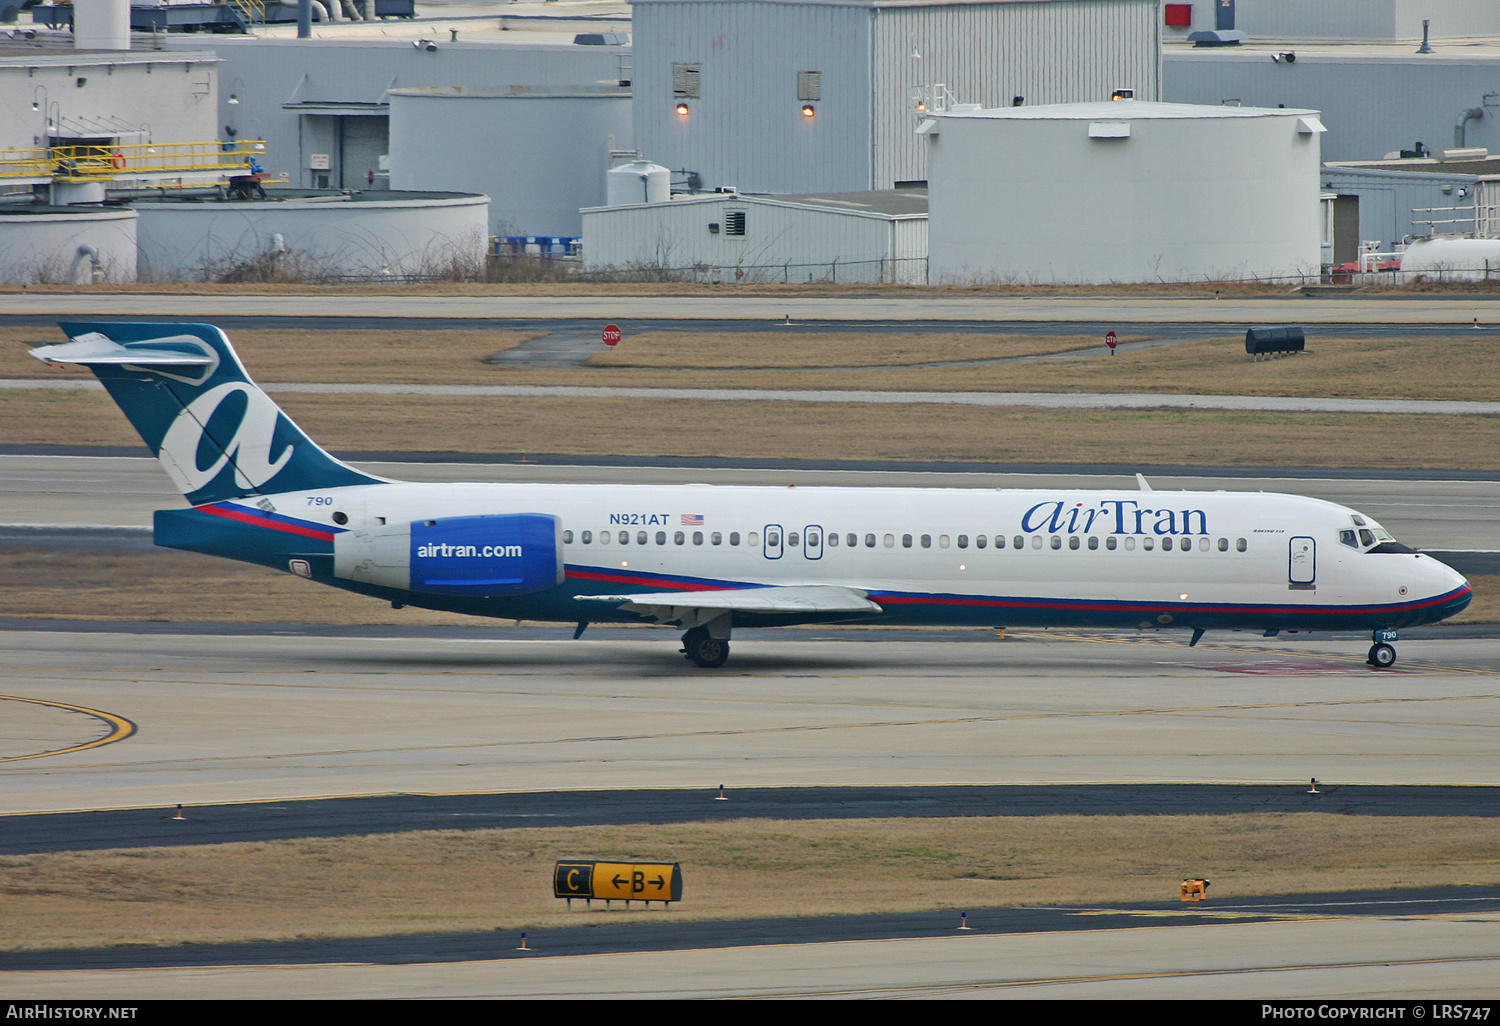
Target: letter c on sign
[[572, 879]]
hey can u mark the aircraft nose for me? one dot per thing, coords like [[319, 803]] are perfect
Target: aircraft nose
[[1450, 586]]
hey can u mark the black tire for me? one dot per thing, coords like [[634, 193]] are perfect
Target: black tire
[[1382, 656], [705, 650]]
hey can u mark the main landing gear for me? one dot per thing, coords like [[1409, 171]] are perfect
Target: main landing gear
[[1382, 654], [703, 649]]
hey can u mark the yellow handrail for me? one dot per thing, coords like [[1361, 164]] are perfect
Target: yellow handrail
[[28, 163], [102, 163], [255, 10]]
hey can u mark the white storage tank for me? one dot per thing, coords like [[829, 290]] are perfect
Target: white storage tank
[[1453, 259], [639, 181], [67, 245], [311, 235], [1123, 191]]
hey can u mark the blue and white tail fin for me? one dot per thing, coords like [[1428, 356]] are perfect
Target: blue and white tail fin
[[184, 389]]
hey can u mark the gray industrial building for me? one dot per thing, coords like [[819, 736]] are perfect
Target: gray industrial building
[[1381, 205], [539, 155], [725, 237], [1343, 20], [1375, 99], [323, 106], [804, 96]]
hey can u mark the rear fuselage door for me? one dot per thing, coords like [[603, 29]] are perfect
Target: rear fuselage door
[[1303, 560]]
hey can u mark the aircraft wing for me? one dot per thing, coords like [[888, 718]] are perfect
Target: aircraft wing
[[670, 606]]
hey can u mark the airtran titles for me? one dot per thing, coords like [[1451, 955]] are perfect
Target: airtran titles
[[1113, 516]]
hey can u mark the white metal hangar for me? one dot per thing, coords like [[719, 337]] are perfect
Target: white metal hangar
[[728, 238], [1123, 192], [805, 96]]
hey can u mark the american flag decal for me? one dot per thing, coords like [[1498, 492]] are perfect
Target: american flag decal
[[692, 520]]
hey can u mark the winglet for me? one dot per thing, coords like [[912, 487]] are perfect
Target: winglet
[[1140, 479]]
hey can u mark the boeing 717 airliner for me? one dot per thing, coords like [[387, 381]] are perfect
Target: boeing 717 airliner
[[709, 558]]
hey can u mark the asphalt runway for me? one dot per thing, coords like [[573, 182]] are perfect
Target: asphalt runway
[[571, 332], [1402, 951], [230, 720], [935, 306], [153, 720], [398, 813], [603, 932]]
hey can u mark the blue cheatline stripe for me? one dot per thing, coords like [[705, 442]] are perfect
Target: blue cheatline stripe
[[906, 598]]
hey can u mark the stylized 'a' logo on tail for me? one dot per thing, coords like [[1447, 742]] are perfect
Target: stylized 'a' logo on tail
[[185, 391]]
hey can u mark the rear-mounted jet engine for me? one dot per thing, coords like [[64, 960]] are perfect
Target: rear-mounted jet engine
[[482, 556]]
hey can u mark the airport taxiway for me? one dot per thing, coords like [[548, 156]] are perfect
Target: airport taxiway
[[251, 716], [1462, 310], [1392, 958]]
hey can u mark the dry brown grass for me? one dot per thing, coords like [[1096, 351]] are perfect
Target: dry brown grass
[[57, 584], [1458, 366], [1451, 367], [359, 357], [501, 879]]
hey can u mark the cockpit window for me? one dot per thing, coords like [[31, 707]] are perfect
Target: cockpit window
[[1366, 536], [1347, 538], [1359, 521]]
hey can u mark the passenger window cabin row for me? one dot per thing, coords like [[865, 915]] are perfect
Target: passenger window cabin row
[[963, 541]]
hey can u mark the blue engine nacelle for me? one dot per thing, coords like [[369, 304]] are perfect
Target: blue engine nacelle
[[500, 554]]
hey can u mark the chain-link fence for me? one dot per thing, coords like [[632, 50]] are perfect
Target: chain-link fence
[[890, 271]]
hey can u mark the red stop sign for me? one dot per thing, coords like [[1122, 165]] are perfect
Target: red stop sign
[[612, 335], [1111, 339]]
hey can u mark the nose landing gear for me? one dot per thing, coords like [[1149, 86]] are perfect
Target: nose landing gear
[[1382, 654]]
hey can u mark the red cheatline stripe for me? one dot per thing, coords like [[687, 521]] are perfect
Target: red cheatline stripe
[[655, 582], [245, 517], [1105, 606]]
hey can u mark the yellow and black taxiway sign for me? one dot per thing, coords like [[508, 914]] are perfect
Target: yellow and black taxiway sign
[[617, 881]]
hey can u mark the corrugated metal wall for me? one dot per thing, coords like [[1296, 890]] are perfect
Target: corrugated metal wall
[[1387, 199], [1048, 52], [1372, 105], [747, 130]]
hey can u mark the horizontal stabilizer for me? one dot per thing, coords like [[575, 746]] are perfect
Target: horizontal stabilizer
[[796, 599], [95, 349]]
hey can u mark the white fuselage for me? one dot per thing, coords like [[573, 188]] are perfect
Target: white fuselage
[[1149, 558]]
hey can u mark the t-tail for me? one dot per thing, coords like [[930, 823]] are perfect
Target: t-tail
[[184, 389]]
